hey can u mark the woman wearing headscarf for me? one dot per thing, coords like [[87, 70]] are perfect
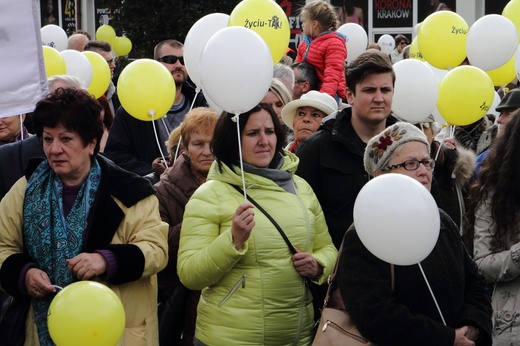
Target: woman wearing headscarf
[[253, 289], [77, 216], [406, 314]]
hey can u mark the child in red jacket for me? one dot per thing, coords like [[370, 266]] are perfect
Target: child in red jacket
[[323, 47]]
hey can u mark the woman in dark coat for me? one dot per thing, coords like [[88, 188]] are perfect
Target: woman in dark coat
[[406, 314], [175, 188]]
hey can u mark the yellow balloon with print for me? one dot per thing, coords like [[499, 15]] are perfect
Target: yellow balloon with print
[[100, 74], [123, 46], [415, 53], [86, 313], [466, 94], [54, 62], [504, 74], [267, 19], [442, 39], [106, 33], [512, 12], [146, 89]]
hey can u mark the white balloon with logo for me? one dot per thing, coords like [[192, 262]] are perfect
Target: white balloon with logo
[[54, 36], [357, 39], [387, 43]]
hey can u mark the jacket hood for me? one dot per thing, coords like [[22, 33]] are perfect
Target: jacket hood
[[234, 177]]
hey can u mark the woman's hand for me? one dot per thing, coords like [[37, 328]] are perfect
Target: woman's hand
[[37, 283], [462, 337], [87, 265], [306, 265], [243, 223]]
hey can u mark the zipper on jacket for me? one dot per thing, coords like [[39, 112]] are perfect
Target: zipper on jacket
[[241, 282]]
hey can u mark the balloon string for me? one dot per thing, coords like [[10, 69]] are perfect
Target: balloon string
[[197, 91], [431, 292], [58, 287], [240, 154], [21, 127], [157, 137], [177, 149]]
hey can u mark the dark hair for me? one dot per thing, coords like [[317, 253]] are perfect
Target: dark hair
[[98, 45], [224, 144], [307, 74], [75, 109], [367, 63], [499, 180], [400, 38], [108, 117]]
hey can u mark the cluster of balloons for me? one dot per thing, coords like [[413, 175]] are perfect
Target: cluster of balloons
[[120, 44], [229, 57], [89, 67], [454, 93], [86, 313]]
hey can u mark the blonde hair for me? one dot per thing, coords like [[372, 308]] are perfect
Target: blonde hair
[[322, 12], [200, 119]]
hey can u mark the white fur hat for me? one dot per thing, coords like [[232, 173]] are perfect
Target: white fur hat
[[380, 148], [324, 102]]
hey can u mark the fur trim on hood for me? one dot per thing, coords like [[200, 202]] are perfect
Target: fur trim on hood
[[464, 167]]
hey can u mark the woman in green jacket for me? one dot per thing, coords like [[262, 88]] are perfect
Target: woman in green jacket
[[253, 288]]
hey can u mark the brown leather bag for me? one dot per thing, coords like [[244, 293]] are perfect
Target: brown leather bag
[[336, 327]]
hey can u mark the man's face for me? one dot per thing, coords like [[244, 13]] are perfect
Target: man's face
[[299, 85], [109, 57], [177, 69], [372, 101]]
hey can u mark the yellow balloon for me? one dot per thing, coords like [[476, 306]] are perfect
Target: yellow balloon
[[512, 12], [442, 39], [504, 74], [267, 19], [106, 33], [86, 313], [146, 89], [54, 62], [123, 46], [100, 74], [466, 94], [415, 53]]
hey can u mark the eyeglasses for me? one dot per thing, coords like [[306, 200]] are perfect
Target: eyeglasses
[[412, 165], [171, 59], [112, 61], [403, 43]]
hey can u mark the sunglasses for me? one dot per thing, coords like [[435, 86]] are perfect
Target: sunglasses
[[171, 59], [403, 43]]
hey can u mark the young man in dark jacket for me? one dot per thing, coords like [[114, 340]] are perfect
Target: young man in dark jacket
[[331, 160]]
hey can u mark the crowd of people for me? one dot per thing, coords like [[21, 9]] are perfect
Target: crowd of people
[[213, 229]]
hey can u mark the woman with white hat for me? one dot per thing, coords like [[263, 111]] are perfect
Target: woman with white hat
[[304, 116]]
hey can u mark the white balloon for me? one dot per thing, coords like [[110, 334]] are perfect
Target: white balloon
[[416, 90], [496, 101], [491, 42], [236, 69], [439, 73], [78, 65], [415, 30], [196, 39], [54, 36], [357, 39], [212, 104], [517, 63], [387, 43], [397, 219]]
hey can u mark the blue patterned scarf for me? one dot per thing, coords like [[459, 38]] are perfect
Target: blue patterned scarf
[[50, 236]]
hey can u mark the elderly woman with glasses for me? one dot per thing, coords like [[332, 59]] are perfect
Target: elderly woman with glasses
[[397, 308]]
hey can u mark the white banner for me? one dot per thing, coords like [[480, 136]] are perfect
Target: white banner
[[23, 81]]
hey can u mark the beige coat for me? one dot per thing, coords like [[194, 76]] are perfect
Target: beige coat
[[141, 226]]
